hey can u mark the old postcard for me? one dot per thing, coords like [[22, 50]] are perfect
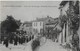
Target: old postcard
[[40, 25]]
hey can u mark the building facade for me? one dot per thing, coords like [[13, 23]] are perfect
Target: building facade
[[26, 27], [38, 25]]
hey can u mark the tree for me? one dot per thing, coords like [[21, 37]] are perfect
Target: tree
[[9, 25], [72, 15], [63, 20], [73, 19]]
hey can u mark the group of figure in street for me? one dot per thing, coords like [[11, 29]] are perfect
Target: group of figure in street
[[16, 40]]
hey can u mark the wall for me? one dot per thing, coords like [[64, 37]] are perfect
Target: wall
[[38, 26]]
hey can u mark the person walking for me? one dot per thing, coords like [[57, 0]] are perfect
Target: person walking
[[15, 40], [19, 40], [6, 42], [11, 40]]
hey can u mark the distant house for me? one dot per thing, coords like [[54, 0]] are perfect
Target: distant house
[[53, 28], [39, 24], [26, 27]]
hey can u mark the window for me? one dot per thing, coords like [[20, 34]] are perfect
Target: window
[[33, 24], [36, 23], [40, 23]]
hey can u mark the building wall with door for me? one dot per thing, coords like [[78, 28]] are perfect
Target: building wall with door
[[39, 23]]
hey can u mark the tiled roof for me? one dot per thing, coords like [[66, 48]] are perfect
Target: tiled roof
[[27, 23], [42, 19], [56, 20]]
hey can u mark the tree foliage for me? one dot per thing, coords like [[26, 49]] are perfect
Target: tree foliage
[[9, 25], [63, 20], [72, 16]]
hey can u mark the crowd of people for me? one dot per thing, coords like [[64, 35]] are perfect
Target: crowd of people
[[17, 40]]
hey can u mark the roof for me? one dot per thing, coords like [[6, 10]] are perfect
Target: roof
[[27, 23], [56, 20], [42, 19], [52, 23]]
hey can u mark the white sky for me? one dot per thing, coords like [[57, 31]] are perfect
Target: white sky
[[29, 13], [34, 0], [30, 0]]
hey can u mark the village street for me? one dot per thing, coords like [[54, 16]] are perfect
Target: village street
[[48, 46], [40, 25]]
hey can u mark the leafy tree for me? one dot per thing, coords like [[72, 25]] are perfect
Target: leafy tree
[[9, 25], [63, 20], [72, 16]]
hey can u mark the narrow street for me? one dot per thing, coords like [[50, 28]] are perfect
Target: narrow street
[[48, 46]]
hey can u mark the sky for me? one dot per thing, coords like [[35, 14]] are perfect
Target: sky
[[30, 0], [29, 10]]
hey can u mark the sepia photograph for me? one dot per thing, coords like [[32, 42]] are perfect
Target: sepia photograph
[[43, 25]]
